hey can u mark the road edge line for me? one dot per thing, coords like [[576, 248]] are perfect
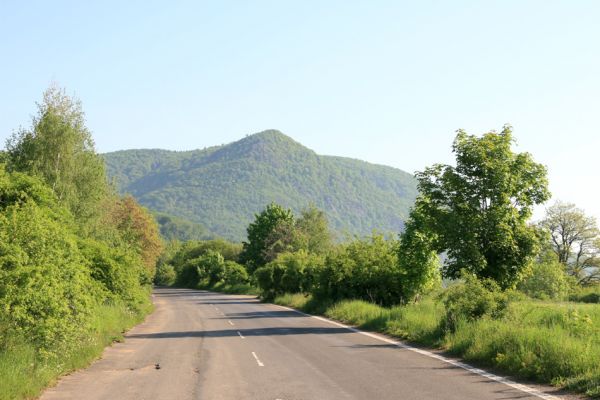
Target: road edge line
[[478, 371]]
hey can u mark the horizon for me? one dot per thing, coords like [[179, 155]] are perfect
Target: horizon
[[385, 83]]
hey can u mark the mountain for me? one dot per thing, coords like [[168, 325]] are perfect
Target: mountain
[[222, 187]]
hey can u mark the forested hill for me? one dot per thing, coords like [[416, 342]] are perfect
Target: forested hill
[[222, 187]]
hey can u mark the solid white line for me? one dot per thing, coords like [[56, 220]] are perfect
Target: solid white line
[[240, 333], [230, 323], [260, 364], [497, 378]]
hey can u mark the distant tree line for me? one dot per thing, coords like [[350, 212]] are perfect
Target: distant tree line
[[469, 223]]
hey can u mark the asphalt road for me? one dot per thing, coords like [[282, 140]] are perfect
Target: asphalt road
[[203, 345]]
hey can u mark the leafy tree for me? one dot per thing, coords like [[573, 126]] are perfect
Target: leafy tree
[[59, 148], [260, 234], [418, 263], [478, 210], [575, 239], [313, 231], [138, 229]]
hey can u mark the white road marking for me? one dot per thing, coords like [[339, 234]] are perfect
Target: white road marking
[[230, 323], [260, 364], [240, 333], [497, 378]]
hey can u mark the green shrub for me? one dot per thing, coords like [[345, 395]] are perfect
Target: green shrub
[[589, 294], [234, 273], [363, 269], [165, 275], [289, 273], [473, 299], [545, 280], [45, 290]]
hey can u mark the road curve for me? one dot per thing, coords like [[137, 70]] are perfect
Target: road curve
[[204, 345]]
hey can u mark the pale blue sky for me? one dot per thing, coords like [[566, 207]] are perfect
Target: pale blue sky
[[384, 81]]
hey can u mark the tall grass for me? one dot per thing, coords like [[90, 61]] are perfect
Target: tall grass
[[549, 342], [25, 372]]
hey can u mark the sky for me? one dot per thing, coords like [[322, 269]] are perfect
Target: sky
[[388, 82]]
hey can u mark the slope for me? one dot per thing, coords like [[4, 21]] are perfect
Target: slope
[[222, 187]]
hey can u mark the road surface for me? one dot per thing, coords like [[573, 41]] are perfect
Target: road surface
[[203, 345]]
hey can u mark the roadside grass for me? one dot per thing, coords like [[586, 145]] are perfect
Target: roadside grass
[[238, 288], [25, 372], [549, 342]]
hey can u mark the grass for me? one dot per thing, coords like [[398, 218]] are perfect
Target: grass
[[550, 342], [239, 288], [25, 372]]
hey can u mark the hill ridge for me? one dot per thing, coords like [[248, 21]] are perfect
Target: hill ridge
[[221, 187]]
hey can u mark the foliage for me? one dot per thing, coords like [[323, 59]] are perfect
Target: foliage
[[44, 292], [418, 262], [165, 275], [175, 228], [223, 187], [60, 149], [588, 294], [289, 272], [118, 269], [313, 232], [270, 228], [478, 210], [546, 279], [363, 269], [473, 299], [210, 269], [69, 251], [138, 230], [575, 239]]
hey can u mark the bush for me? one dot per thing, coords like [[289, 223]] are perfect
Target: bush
[[364, 269], [589, 294], [473, 299], [234, 273], [545, 280], [45, 289], [289, 272], [165, 275]]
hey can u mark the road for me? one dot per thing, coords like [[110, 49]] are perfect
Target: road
[[203, 345]]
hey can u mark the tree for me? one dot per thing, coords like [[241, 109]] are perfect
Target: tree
[[575, 239], [138, 230], [314, 232], [59, 148], [260, 234], [477, 211]]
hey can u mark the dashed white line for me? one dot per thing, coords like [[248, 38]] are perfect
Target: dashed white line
[[260, 364], [497, 378], [240, 333]]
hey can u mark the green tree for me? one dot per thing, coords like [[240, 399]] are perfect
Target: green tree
[[478, 210], [575, 239], [546, 279], [59, 148], [260, 234], [313, 231], [138, 230]]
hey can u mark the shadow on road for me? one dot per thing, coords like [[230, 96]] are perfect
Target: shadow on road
[[244, 332], [265, 314]]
